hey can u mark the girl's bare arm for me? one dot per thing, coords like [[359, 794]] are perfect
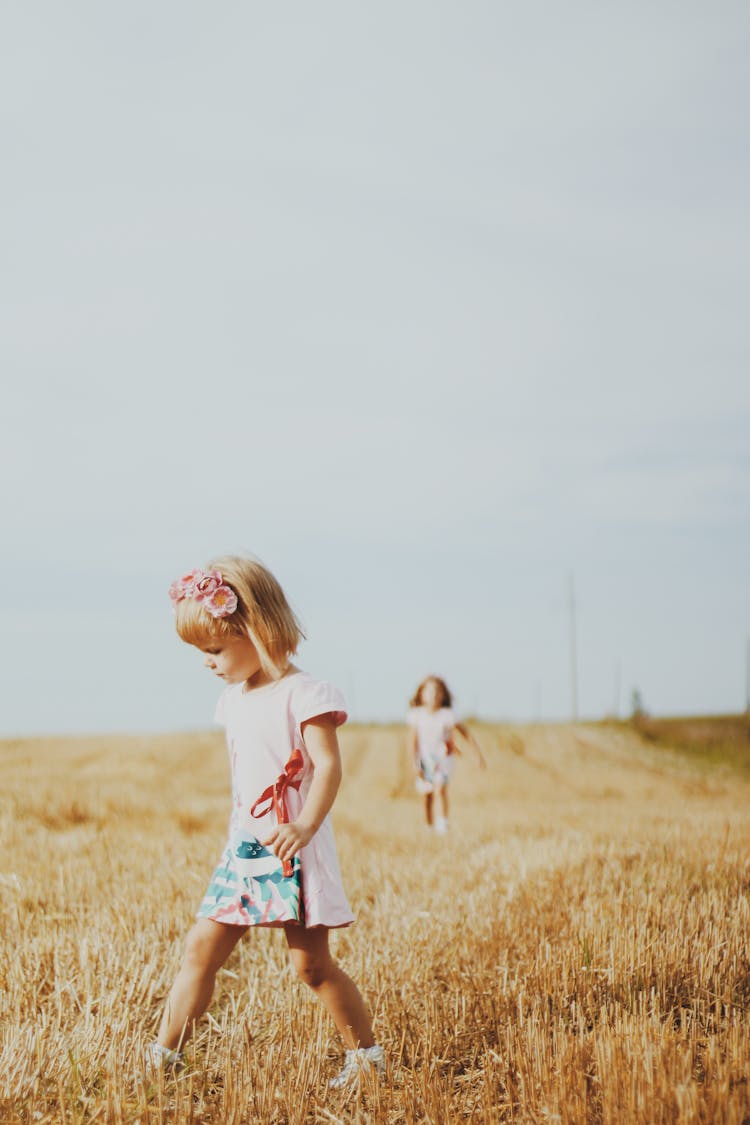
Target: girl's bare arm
[[464, 731], [414, 749], [285, 840]]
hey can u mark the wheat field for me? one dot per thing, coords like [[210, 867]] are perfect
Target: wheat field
[[575, 950]]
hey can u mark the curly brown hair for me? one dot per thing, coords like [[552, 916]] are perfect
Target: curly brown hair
[[446, 700]]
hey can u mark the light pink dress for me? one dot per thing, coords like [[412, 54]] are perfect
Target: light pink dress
[[267, 749], [436, 755]]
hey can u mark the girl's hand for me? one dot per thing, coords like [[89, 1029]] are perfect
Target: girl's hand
[[285, 840], [481, 760]]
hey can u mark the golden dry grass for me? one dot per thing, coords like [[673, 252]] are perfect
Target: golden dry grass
[[575, 951]]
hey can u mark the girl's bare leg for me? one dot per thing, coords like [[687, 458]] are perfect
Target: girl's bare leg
[[312, 959], [444, 799], [207, 947], [428, 808]]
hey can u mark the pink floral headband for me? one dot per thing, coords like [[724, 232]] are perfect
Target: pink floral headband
[[208, 588]]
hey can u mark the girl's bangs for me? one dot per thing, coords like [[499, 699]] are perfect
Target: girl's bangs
[[196, 626]]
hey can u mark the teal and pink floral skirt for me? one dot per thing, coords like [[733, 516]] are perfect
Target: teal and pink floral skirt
[[249, 887], [434, 773]]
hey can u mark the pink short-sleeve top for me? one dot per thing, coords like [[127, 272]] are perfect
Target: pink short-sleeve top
[[434, 732]]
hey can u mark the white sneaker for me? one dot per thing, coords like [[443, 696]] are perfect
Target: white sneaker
[[359, 1061], [163, 1058], [441, 826]]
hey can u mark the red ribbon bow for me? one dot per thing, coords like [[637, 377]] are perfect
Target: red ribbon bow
[[274, 797]]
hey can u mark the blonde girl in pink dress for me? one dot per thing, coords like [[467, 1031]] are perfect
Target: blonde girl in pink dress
[[432, 725], [279, 865]]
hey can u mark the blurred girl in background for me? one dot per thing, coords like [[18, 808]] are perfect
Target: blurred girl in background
[[432, 726]]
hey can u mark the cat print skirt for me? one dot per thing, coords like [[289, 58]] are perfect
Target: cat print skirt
[[251, 887]]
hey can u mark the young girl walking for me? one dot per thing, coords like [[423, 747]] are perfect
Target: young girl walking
[[432, 724], [279, 866]]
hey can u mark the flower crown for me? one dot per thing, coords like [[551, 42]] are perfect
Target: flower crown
[[208, 588]]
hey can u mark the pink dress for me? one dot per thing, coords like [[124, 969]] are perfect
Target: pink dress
[[271, 776], [436, 754]]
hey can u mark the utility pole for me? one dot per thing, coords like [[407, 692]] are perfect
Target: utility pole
[[747, 678], [618, 678], [573, 655]]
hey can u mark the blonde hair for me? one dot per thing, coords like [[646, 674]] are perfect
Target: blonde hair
[[263, 614]]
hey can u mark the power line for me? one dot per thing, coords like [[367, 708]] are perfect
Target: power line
[[573, 653]]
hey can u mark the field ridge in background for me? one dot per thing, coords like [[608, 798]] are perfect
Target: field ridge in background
[[576, 950]]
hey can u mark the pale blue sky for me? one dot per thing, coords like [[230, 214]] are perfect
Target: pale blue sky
[[425, 304]]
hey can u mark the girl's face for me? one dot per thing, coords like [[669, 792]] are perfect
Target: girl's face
[[432, 695], [234, 660]]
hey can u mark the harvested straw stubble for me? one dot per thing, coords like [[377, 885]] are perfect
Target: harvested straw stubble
[[576, 949]]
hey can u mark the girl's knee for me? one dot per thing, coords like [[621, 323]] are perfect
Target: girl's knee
[[200, 951], [312, 971]]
